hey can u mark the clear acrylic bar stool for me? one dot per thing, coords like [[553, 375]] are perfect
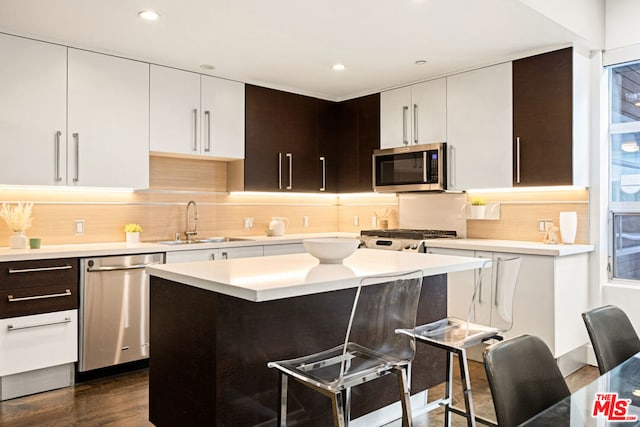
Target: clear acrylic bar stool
[[371, 349]]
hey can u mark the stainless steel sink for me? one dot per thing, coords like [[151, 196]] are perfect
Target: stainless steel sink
[[207, 240]]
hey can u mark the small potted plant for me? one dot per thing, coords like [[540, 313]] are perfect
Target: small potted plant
[[477, 208], [133, 233], [18, 219]]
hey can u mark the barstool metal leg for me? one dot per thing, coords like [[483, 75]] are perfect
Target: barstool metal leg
[[448, 390], [282, 400], [337, 406], [405, 397], [466, 387]]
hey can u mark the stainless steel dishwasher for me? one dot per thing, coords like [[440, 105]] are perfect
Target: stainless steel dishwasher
[[114, 309]]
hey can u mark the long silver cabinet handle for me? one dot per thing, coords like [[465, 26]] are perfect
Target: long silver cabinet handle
[[57, 177], [324, 174], [207, 115], [38, 325], [76, 138], [120, 267], [405, 110], [290, 157], [195, 129], [517, 160], [35, 270], [415, 123], [280, 171], [66, 293]]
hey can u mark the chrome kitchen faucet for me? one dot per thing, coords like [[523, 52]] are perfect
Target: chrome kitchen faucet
[[187, 232]]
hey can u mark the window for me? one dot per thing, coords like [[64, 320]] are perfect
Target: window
[[624, 170]]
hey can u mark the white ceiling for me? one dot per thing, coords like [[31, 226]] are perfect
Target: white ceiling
[[292, 44]]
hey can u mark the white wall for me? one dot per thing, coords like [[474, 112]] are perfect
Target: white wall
[[586, 18], [621, 28]]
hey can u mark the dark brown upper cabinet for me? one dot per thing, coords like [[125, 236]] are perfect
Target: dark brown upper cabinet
[[281, 141], [302, 144], [546, 147], [360, 135]]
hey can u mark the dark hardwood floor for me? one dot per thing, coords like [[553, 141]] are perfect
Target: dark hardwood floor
[[122, 401]]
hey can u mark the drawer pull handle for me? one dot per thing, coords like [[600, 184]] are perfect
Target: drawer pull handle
[[35, 270], [66, 293], [38, 325]]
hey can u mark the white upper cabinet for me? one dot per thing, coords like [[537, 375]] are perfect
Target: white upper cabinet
[[222, 103], [429, 111], [108, 117], [193, 117], [414, 114], [395, 118], [479, 128], [33, 101], [174, 111]]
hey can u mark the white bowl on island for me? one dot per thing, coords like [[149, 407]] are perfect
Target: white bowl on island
[[330, 250]]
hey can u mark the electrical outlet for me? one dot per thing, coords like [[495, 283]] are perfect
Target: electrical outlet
[[543, 224], [79, 227], [305, 221], [247, 223], [356, 220]]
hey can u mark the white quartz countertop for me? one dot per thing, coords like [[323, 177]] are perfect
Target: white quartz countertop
[[122, 248], [514, 246], [284, 276]]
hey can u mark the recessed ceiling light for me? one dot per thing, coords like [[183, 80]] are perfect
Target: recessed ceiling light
[[148, 15], [338, 67], [421, 61], [207, 67]]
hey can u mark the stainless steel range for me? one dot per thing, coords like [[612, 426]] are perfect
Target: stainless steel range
[[402, 239]]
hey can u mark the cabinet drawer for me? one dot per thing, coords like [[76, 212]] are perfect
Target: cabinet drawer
[[40, 286], [23, 301], [38, 341], [45, 272]]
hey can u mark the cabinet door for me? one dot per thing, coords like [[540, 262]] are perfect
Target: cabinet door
[[288, 248], [33, 84], [542, 119], [240, 252], [174, 111], [192, 255], [300, 143], [479, 128], [329, 145], [39, 341], [360, 135], [396, 118], [222, 118], [108, 117], [263, 139], [429, 111]]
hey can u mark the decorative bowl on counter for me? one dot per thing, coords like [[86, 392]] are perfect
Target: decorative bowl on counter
[[330, 250]]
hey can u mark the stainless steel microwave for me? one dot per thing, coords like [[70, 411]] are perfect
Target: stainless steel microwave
[[413, 168]]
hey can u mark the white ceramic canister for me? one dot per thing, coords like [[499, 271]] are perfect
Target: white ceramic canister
[[278, 225], [568, 227]]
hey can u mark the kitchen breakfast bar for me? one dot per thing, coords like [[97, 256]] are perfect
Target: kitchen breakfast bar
[[214, 325]]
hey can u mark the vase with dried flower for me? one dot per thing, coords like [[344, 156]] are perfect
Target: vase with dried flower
[[18, 219]]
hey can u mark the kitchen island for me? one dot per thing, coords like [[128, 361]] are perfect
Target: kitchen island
[[214, 325]]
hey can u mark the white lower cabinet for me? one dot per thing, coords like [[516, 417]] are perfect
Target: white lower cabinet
[[551, 295], [37, 352], [287, 248], [213, 254]]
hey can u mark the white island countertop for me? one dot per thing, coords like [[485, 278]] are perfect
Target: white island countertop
[[284, 276]]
